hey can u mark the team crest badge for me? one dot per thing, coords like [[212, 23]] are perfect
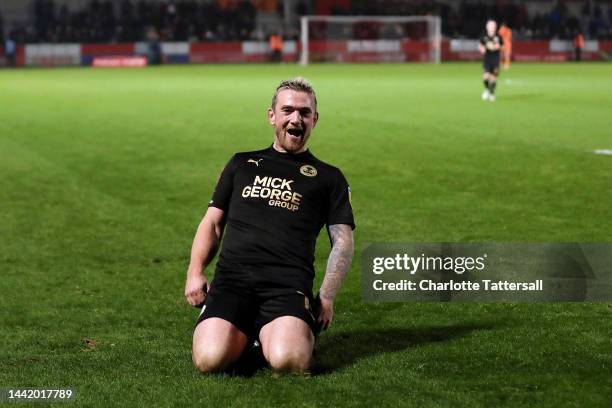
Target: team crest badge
[[308, 170]]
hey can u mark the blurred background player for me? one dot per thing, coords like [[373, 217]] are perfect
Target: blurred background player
[[154, 51], [578, 45], [10, 51], [506, 35], [276, 47], [490, 46]]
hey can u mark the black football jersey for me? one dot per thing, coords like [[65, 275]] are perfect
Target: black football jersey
[[489, 42], [276, 204]]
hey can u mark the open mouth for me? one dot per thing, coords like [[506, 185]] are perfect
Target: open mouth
[[295, 132]]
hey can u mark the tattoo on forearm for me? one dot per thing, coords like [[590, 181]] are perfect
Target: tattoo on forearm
[[339, 261]]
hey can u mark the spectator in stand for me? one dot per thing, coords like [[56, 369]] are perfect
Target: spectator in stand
[[245, 19], [1, 28], [269, 6]]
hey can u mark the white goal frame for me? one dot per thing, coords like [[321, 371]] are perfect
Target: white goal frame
[[434, 30]]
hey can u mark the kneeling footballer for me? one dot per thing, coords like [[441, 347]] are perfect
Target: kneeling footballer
[[266, 212]]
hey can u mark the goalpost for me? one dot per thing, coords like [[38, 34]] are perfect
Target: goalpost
[[370, 39]]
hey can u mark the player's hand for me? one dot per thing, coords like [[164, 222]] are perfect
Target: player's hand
[[326, 313], [196, 288]]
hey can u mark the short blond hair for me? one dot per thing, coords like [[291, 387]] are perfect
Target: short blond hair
[[295, 84]]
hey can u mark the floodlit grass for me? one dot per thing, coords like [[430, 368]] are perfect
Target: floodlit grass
[[105, 174]]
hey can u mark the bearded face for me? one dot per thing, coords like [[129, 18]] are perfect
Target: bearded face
[[293, 118]]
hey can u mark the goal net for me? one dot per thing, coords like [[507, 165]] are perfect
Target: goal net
[[370, 39]]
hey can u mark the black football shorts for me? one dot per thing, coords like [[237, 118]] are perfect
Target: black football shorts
[[250, 306], [491, 65]]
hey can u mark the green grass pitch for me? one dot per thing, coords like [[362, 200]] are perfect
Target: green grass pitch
[[105, 174]]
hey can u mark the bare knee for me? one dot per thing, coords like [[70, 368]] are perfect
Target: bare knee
[[209, 361], [290, 361], [216, 345], [287, 344]]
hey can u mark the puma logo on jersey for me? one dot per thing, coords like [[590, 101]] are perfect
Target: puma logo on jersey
[[254, 161]]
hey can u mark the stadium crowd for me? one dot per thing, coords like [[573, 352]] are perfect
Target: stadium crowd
[[101, 21], [465, 18], [214, 20]]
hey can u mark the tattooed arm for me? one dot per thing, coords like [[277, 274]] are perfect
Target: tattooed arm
[[338, 264]]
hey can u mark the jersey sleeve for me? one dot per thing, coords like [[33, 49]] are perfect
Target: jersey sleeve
[[483, 41], [225, 186], [501, 40], [340, 209]]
